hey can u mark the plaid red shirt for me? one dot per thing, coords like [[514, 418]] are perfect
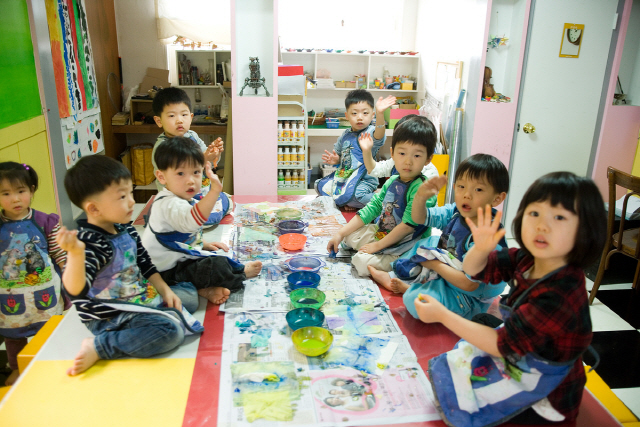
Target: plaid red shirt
[[553, 322]]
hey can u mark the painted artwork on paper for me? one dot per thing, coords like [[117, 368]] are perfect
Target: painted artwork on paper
[[74, 73], [361, 319], [72, 57]]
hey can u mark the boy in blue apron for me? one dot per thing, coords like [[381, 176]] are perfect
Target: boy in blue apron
[[172, 112], [173, 235], [350, 186], [118, 293], [383, 230], [529, 370], [434, 265]]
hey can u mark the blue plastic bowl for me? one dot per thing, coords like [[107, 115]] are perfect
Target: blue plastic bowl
[[303, 279], [303, 317], [305, 263], [291, 226]]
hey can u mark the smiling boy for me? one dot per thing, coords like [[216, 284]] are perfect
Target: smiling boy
[[480, 180], [392, 232], [350, 186]]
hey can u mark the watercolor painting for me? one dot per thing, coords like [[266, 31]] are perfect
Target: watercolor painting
[[360, 319]]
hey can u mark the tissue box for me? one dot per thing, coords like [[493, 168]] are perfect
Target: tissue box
[[408, 85]]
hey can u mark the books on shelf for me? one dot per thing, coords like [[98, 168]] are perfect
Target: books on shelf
[[120, 119]]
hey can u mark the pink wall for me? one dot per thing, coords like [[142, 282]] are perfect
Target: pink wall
[[494, 123], [620, 123], [254, 126]]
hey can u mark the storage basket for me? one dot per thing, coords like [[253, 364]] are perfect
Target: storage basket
[[333, 123], [317, 120], [142, 168]]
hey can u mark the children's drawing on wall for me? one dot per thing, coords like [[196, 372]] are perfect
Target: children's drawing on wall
[[571, 40], [74, 74]]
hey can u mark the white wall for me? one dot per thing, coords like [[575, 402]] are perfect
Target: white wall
[[630, 65], [138, 43]]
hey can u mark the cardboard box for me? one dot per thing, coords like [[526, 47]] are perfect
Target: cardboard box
[[351, 85], [154, 77], [408, 106], [360, 80], [290, 110], [340, 84], [408, 85]]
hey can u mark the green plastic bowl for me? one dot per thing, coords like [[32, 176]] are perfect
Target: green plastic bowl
[[307, 297], [312, 340]]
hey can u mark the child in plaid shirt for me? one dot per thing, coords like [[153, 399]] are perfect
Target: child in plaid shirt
[[532, 365]]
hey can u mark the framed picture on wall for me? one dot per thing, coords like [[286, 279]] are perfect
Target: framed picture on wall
[[571, 40]]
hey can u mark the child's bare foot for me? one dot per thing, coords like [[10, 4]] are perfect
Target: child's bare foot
[[252, 269], [398, 286], [12, 378], [349, 208], [216, 294], [381, 277], [86, 357]]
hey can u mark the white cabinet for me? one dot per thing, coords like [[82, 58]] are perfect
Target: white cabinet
[[291, 109]]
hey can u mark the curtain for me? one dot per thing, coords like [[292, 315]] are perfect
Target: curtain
[[198, 20]]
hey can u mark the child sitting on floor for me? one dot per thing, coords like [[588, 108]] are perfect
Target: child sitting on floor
[[393, 231], [386, 168], [114, 285], [173, 235], [30, 285], [479, 180], [350, 186], [529, 371], [172, 112]]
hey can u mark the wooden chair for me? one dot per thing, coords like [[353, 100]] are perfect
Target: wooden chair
[[625, 242]]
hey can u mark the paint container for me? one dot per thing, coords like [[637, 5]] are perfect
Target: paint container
[[304, 263], [307, 297], [291, 226], [295, 279], [303, 317], [293, 241], [312, 340]]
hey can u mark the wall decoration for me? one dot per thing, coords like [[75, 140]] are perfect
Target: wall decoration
[[75, 78], [571, 40]]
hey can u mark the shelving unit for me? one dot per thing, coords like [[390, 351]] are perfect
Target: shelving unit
[[300, 188]]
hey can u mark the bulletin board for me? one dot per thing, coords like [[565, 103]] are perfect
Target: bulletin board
[[19, 83], [76, 88]]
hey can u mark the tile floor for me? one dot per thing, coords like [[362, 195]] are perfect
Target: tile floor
[[615, 315]]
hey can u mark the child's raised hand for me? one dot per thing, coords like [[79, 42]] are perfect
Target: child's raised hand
[[429, 309], [365, 141], [69, 242], [385, 103], [486, 234], [330, 158], [214, 152], [431, 187], [216, 185]]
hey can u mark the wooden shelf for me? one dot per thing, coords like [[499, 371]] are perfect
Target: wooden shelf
[[154, 129]]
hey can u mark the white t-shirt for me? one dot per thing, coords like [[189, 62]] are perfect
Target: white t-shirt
[[384, 168]]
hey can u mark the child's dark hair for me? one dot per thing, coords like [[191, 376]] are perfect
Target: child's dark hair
[[19, 174], [415, 130], [177, 151], [92, 175], [169, 96], [576, 194], [485, 167], [358, 95]]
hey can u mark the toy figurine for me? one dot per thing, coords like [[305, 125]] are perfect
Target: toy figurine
[[254, 80]]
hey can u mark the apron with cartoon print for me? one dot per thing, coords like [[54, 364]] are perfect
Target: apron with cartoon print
[[341, 184], [186, 243], [394, 205], [475, 389], [120, 285], [29, 285]]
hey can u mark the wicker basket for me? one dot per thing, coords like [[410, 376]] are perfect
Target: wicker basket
[[316, 121]]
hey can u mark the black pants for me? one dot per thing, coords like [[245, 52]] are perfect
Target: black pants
[[207, 272]]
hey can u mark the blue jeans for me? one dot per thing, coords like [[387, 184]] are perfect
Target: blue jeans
[[137, 335], [188, 294]]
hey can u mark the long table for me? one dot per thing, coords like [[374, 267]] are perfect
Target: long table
[[182, 387]]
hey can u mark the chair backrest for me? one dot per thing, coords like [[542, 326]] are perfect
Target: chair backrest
[[632, 183]]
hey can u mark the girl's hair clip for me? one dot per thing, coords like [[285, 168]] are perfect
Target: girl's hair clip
[[25, 166]]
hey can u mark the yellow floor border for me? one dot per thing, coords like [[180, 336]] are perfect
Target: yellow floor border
[[603, 393]]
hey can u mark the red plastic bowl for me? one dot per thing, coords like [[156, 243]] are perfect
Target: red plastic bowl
[[293, 241]]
